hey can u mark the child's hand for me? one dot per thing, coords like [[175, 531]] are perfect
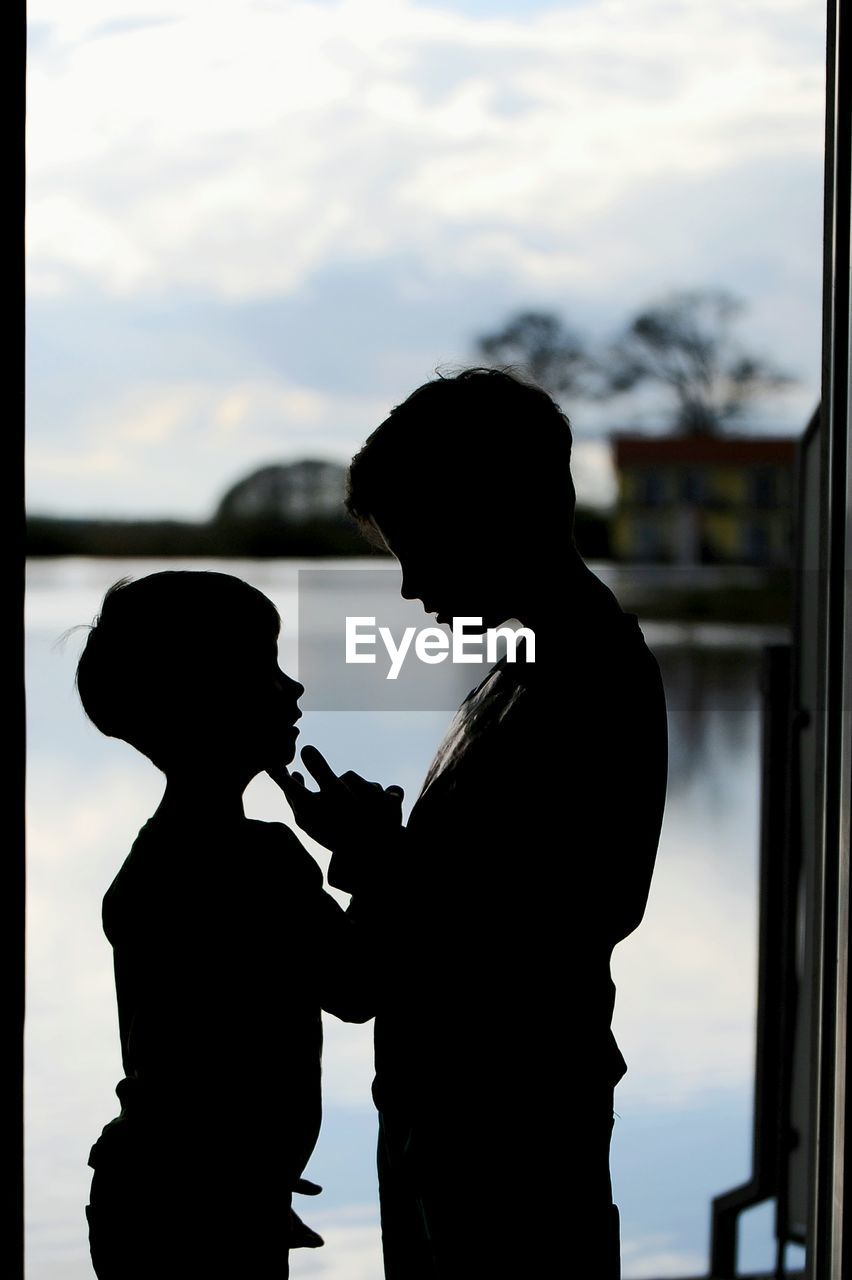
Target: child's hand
[[347, 812]]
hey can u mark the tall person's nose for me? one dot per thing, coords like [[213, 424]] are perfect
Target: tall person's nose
[[410, 589]]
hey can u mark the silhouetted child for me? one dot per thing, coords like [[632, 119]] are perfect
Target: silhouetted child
[[225, 944]]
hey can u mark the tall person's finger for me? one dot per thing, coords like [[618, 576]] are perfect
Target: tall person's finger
[[292, 784], [318, 767]]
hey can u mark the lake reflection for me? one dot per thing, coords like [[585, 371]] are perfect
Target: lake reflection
[[686, 980]]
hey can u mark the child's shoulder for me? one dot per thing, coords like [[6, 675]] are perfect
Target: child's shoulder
[[173, 864], [196, 851]]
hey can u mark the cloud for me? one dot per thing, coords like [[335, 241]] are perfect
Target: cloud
[[698, 934], [274, 220], [218, 387], [658, 1256], [148, 440], [145, 443], [237, 149], [352, 1250]]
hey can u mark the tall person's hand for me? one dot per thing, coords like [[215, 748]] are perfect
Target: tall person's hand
[[347, 814]]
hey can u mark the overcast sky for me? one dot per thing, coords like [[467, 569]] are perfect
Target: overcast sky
[[254, 225]]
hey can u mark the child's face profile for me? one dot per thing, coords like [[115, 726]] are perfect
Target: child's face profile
[[287, 693], [252, 706], [271, 710]]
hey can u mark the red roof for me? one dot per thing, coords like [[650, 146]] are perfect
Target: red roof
[[632, 451]]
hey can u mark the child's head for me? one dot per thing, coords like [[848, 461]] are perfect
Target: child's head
[[184, 666]]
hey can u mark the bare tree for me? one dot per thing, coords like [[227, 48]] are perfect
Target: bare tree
[[538, 344], [684, 343]]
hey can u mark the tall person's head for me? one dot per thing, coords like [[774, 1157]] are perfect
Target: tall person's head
[[468, 482]]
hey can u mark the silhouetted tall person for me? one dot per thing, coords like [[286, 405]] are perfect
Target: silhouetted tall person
[[527, 856], [225, 944]]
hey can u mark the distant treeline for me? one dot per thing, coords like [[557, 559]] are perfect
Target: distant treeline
[[160, 539], [243, 538]]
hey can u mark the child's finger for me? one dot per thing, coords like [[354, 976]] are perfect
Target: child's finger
[[394, 790], [318, 767]]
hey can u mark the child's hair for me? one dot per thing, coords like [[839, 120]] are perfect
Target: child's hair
[[162, 644], [480, 438]]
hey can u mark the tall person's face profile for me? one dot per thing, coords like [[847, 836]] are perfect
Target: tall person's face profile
[[447, 562]]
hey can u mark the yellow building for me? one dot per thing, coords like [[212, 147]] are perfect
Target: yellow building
[[704, 499]]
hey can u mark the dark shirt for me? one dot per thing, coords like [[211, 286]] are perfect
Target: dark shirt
[[527, 856], [226, 947]]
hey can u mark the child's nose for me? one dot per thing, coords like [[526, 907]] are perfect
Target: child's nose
[[292, 686]]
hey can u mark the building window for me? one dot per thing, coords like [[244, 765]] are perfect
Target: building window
[[692, 487], [647, 540], [763, 489], [651, 488], [757, 546]]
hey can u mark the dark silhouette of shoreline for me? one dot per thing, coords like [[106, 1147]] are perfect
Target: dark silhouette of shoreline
[[764, 598], [161, 539], [237, 537]]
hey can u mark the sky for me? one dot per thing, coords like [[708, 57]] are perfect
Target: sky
[[255, 225]]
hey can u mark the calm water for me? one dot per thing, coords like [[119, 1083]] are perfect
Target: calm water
[[686, 980]]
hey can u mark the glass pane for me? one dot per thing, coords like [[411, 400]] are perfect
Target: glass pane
[[255, 227]]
